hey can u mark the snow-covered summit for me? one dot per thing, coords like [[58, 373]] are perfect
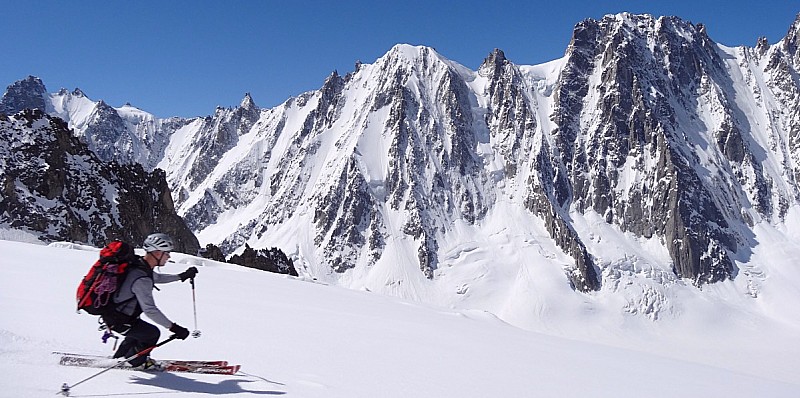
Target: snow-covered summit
[[410, 53]]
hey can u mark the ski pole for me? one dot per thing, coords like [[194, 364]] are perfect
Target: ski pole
[[65, 388], [196, 332]]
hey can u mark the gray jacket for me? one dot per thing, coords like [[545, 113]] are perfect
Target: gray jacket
[[138, 285]]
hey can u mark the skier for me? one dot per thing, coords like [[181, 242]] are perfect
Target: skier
[[135, 296]]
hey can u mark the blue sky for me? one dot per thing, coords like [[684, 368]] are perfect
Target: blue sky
[[184, 58]]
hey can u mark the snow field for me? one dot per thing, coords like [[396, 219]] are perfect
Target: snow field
[[303, 339]]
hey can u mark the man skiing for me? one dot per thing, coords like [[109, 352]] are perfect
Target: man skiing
[[135, 296]]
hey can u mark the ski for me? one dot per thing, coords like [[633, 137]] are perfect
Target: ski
[[80, 359], [206, 367], [217, 370]]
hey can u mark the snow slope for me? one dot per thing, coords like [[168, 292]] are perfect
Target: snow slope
[[297, 338]]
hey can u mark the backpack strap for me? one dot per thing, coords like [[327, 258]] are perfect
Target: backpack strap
[[126, 307]]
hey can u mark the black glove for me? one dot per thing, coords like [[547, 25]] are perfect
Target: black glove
[[180, 331], [188, 274]]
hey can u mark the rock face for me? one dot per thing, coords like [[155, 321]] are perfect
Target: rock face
[[645, 123], [212, 252], [272, 260], [29, 93], [52, 184], [657, 99], [636, 77]]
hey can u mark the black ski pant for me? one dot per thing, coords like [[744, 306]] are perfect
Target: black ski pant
[[141, 335]]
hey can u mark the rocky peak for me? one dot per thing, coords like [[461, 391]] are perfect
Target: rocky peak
[[104, 114], [791, 42], [639, 60], [248, 103], [75, 196], [497, 58], [762, 45], [630, 21], [332, 86], [584, 37], [216, 135], [271, 260], [246, 114], [494, 63], [106, 135], [405, 57], [28, 93], [701, 28]]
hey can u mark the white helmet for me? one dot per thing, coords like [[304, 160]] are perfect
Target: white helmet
[[158, 241]]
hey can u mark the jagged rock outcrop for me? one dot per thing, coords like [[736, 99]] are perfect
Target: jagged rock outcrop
[[212, 252], [634, 97], [616, 102], [53, 185], [272, 260], [28, 93], [218, 134], [347, 222], [106, 133], [780, 64]]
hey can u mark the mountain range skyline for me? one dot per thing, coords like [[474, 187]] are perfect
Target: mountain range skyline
[[184, 60], [646, 123]]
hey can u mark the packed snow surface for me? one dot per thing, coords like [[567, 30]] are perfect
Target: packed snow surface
[[300, 338]]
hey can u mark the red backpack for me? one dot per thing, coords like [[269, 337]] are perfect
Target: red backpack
[[97, 288]]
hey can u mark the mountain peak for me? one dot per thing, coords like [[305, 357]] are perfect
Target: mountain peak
[[762, 45], [410, 52], [629, 18], [23, 94], [637, 23], [589, 34], [407, 49], [632, 21], [494, 62], [792, 40], [333, 76], [497, 57], [795, 27], [247, 102], [32, 81]]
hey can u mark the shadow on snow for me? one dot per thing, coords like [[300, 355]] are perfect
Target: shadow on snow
[[172, 381]]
